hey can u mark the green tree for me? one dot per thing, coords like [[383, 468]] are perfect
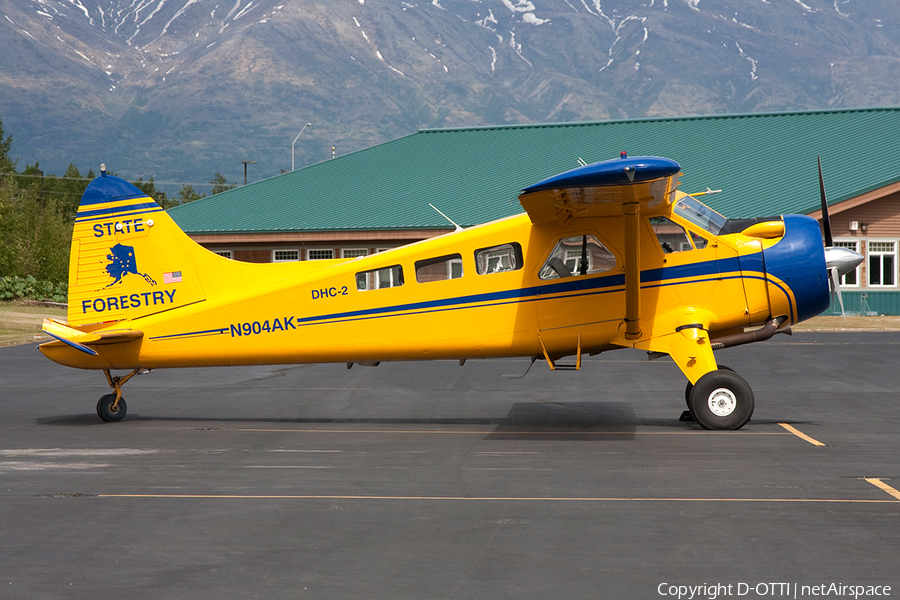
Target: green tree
[[70, 187], [149, 188], [220, 185], [7, 165], [188, 194], [36, 235]]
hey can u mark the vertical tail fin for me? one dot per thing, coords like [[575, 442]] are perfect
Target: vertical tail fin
[[128, 259]]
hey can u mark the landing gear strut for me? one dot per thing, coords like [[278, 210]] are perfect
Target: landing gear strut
[[112, 407]]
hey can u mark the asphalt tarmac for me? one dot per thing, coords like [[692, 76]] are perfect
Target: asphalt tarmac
[[431, 480]]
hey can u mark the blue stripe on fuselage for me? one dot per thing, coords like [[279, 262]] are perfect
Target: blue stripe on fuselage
[[574, 287]]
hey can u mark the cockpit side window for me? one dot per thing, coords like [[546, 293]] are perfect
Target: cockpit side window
[[699, 242], [576, 256], [671, 235]]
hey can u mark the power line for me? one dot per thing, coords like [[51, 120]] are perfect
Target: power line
[[140, 180]]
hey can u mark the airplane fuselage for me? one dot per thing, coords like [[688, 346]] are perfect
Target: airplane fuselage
[[409, 304]]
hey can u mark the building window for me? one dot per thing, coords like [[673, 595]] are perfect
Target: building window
[[354, 252], [319, 254], [439, 269], [286, 255], [225, 253], [882, 264], [377, 279], [851, 279]]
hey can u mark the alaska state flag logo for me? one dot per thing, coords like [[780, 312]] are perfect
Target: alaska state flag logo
[[123, 262]]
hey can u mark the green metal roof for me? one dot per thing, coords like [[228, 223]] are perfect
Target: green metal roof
[[765, 163]]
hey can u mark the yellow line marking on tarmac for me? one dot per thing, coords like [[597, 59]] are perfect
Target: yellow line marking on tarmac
[[882, 485], [482, 498], [801, 435], [287, 467], [512, 432]]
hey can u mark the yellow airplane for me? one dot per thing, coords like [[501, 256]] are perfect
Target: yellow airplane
[[608, 255]]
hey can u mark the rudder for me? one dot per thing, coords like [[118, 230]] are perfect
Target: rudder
[[128, 259]]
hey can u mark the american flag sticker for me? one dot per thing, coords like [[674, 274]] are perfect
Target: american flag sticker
[[173, 277]]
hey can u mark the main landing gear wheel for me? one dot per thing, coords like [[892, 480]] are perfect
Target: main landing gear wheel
[[109, 411], [690, 386], [721, 400]]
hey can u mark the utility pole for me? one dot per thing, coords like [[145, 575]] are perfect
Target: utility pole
[[247, 162]]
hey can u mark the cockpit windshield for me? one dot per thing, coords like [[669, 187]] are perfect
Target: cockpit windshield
[[699, 214]]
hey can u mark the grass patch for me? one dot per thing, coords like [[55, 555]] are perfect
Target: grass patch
[[851, 323], [20, 323]]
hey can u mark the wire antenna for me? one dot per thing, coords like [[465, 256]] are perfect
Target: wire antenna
[[458, 228]]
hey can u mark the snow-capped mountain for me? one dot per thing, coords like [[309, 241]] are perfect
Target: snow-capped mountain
[[180, 89]]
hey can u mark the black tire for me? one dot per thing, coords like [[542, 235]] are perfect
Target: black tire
[[105, 408], [690, 386], [721, 400]]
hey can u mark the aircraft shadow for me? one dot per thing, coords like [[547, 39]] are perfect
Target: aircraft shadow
[[570, 421]]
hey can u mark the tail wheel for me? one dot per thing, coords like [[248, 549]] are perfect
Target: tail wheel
[[109, 411], [721, 400]]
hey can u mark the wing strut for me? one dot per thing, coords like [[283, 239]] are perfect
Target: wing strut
[[632, 212]]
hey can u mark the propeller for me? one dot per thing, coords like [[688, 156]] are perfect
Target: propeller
[[838, 261]]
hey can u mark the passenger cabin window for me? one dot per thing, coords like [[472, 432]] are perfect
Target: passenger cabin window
[[671, 235], [575, 256], [498, 259], [377, 279], [439, 269]]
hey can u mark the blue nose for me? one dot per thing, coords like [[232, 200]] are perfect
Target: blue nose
[[798, 260]]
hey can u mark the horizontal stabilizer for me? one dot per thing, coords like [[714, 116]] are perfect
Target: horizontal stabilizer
[[81, 339]]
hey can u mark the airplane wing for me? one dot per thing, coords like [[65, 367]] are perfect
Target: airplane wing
[[82, 340], [602, 189]]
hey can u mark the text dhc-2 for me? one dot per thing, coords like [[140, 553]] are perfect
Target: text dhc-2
[[331, 292]]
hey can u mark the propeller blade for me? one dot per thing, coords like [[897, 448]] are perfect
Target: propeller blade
[[826, 220], [836, 288]]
